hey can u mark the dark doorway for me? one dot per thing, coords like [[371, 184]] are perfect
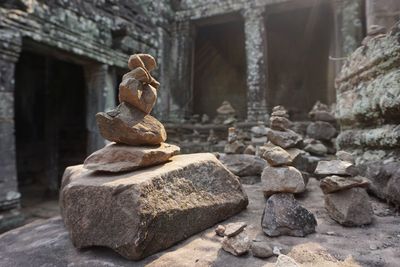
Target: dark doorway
[[219, 68], [299, 43], [50, 122]]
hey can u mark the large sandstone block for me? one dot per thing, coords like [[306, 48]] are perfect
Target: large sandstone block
[[142, 212]]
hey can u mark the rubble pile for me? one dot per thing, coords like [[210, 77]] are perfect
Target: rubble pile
[[346, 198]]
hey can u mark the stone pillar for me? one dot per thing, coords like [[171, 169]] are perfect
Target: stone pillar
[[256, 47], [181, 98], [100, 96], [10, 48]]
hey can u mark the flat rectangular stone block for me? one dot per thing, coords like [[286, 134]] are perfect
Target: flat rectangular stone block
[[142, 212]]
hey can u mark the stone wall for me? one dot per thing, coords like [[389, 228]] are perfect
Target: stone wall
[[368, 110]]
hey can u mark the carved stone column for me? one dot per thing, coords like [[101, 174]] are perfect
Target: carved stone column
[[255, 45], [10, 48], [181, 101], [100, 96]]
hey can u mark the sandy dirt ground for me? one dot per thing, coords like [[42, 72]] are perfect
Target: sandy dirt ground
[[47, 243]]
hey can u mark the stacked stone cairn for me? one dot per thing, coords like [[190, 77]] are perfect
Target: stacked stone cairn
[[226, 114], [134, 196], [283, 215], [346, 199], [320, 131]]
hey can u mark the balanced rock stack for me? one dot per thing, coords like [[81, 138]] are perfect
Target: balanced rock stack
[[346, 199], [226, 114], [234, 145], [119, 199], [321, 131], [283, 215]]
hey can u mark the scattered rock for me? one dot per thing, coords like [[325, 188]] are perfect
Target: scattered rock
[[140, 213], [282, 179], [277, 156], [321, 130], [119, 158], [345, 156], [284, 139], [279, 123], [232, 229], [243, 165], [220, 230], [316, 148], [283, 215], [237, 245], [128, 125], [336, 167], [286, 261], [261, 250], [250, 150], [335, 183], [235, 147], [349, 207]]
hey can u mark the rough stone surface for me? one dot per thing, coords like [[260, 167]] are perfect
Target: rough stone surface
[[345, 156], [335, 183], [243, 165], [250, 150], [285, 261], [316, 148], [232, 229], [279, 123], [277, 156], [284, 139], [140, 213], [283, 215], [237, 245], [119, 158], [282, 179], [35, 244], [235, 147], [220, 230], [336, 167], [321, 130], [321, 112], [349, 207], [261, 250], [128, 125]]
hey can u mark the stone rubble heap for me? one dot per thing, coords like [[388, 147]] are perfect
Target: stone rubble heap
[[109, 202], [346, 199], [283, 215]]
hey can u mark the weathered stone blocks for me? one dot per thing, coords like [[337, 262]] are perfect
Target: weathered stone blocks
[[142, 212]]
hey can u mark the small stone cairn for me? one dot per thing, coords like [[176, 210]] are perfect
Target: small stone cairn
[[226, 114], [320, 131], [132, 147], [346, 199], [283, 215]]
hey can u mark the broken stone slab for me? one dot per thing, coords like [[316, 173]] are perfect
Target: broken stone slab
[[336, 183], [276, 156], [140, 213], [285, 179], [127, 125], [237, 245], [232, 229], [336, 167], [284, 139], [283, 215], [349, 207], [243, 164], [261, 250], [321, 130], [118, 158]]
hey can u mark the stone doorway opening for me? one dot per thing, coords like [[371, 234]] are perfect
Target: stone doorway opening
[[219, 71], [298, 71], [50, 124]]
